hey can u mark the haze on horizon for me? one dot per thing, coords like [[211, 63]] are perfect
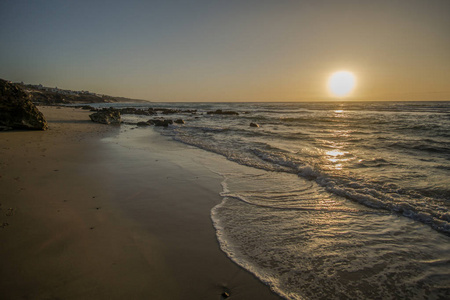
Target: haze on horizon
[[254, 50]]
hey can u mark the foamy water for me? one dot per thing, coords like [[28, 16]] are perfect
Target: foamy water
[[332, 200]]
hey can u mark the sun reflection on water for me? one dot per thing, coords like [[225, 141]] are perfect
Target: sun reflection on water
[[336, 158], [335, 153]]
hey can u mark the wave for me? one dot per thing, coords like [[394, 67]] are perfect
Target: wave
[[424, 146], [300, 216], [374, 163], [372, 195]]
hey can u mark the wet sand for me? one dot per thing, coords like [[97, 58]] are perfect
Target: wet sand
[[84, 217]]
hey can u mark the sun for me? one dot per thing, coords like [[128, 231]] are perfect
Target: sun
[[341, 83]]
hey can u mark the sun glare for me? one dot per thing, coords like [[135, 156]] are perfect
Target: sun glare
[[341, 83]]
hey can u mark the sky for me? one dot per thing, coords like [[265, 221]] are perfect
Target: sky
[[229, 50]]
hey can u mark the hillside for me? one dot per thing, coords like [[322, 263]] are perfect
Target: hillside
[[54, 96]]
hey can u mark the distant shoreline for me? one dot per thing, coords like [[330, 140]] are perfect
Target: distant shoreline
[[42, 95]]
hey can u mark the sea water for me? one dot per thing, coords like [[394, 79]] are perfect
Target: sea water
[[331, 200]]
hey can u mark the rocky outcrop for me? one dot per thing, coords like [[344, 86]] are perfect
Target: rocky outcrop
[[168, 111], [85, 107], [222, 112], [137, 111], [106, 116], [161, 122], [16, 109]]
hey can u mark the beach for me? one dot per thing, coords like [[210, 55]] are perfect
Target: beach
[[85, 217]]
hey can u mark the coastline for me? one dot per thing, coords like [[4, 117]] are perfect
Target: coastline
[[96, 220]]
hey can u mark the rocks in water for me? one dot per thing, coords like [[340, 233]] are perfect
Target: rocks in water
[[222, 112], [189, 111], [130, 123], [142, 124], [136, 111], [168, 111], [84, 107], [16, 109], [254, 124], [161, 122], [106, 116], [179, 121]]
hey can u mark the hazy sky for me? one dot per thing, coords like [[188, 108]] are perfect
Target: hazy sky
[[279, 50]]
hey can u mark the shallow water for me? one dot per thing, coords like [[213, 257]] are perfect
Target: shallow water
[[332, 200]]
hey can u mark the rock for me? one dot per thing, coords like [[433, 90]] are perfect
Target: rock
[[179, 121], [143, 124], [167, 111], [16, 109], [106, 116], [161, 122], [254, 124], [130, 123], [86, 107], [136, 111], [222, 112]]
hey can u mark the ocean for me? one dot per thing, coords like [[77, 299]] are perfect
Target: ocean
[[328, 200]]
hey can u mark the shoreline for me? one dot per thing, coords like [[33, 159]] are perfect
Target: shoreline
[[95, 220]]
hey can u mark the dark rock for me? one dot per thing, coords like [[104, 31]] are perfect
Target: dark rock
[[167, 111], [135, 111], [254, 124], [85, 107], [161, 122], [106, 116], [129, 123], [223, 112], [143, 124], [179, 121], [17, 110]]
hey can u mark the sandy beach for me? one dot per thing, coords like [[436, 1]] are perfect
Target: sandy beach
[[84, 217]]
